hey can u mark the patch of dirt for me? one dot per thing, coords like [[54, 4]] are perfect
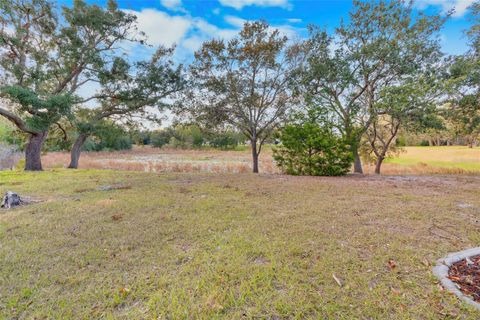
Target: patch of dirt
[[464, 205], [261, 260], [106, 202], [466, 274], [83, 190], [104, 188]]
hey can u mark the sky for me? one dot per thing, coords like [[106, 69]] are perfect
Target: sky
[[187, 23]]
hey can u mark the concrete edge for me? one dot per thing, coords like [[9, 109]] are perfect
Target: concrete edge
[[441, 272]]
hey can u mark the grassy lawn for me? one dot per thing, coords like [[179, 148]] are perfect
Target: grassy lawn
[[208, 246], [452, 157]]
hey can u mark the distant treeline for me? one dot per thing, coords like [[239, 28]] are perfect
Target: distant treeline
[[110, 136], [189, 137]]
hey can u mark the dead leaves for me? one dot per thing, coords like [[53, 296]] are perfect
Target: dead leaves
[[395, 291], [117, 217], [391, 264], [466, 274], [124, 291]]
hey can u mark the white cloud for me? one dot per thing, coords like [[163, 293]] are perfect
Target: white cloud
[[239, 4], [171, 4], [193, 43], [294, 20], [186, 32], [288, 30], [291, 32], [460, 6], [161, 28], [235, 21], [209, 31]]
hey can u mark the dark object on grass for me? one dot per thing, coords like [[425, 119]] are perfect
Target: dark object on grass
[[10, 200], [114, 187], [466, 274]]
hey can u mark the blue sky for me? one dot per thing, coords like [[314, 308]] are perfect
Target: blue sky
[[187, 23]]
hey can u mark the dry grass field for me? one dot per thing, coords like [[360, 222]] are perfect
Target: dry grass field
[[166, 160], [412, 160], [451, 159], [230, 246], [185, 234]]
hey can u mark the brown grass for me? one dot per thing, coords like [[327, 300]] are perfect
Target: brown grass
[[417, 169], [229, 246], [413, 161], [165, 160]]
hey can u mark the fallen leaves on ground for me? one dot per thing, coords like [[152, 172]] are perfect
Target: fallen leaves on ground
[[466, 274]]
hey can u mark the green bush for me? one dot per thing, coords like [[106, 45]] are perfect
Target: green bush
[[225, 140], [193, 137], [179, 136], [9, 135], [107, 137], [141, 138], [309, 149], [89, 145], [424, 143], [188, 136], [161, 138], [5, 131]]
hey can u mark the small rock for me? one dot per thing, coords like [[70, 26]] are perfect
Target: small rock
[[11, 199], [464, 205]]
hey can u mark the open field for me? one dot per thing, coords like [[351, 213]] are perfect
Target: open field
[[412, 160], [211, 246], [167, 160], [449, 159]]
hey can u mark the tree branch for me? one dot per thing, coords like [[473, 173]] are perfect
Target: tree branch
[[17, 121]]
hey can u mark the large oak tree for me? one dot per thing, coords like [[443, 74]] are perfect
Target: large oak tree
[[127, 91], [45, 60]]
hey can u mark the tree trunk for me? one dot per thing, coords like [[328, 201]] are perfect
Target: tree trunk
[[76, 151], [33, 151], [378, 164], [254, 155], [357, 164], [470, 142]]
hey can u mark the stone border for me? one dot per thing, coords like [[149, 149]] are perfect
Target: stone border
[[441, 272]]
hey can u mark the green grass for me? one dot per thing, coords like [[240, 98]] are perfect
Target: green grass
[[452, 157], [203, 246]]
